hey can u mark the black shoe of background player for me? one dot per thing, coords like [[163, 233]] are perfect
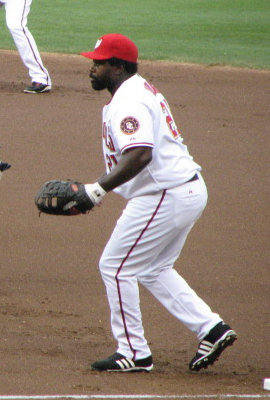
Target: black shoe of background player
[[37, 88]]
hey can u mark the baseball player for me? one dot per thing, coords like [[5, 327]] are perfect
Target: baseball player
[[149, 165], [16, 20]]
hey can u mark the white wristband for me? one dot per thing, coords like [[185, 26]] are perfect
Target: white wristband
[[95, 192]]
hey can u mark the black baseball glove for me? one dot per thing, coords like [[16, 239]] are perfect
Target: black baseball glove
[[63, 198]]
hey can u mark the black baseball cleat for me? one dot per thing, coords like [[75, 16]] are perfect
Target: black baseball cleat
[[37, 88], [212, 345], [119, 363]]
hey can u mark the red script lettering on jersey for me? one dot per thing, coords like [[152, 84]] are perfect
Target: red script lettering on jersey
[[111, 161], [107, 138], [151, 88]]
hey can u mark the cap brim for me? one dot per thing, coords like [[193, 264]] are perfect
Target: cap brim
[[88, 54], [95, 56]]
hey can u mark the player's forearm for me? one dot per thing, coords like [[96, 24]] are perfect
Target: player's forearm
[[130, 165]]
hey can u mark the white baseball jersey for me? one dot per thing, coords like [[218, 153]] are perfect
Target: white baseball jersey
[[138, 115]]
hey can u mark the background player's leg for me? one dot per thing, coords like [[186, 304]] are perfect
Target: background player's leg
[[16, 19]]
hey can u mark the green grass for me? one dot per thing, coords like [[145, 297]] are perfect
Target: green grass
[[232, 32]]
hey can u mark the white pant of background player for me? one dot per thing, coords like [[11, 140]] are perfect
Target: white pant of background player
[[16, 20], [144, 245]]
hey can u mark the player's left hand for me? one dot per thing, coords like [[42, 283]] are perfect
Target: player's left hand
[[63, 198]]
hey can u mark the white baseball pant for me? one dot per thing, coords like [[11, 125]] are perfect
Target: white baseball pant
[[16, 20], [146, 241]]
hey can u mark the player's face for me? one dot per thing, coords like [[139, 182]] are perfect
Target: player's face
[[100, 74]]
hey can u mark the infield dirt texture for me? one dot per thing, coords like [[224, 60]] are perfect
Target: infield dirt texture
[[54, 315]]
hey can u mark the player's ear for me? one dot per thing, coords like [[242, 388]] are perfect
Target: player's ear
[[119, 69]]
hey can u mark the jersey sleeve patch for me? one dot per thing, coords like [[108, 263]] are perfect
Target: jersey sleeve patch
[[129, 125]]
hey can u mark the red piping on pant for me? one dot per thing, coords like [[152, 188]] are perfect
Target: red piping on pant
[[122, 265], [34, 55]]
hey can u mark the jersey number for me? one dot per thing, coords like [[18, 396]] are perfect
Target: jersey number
[[166, 110], [170, 121]]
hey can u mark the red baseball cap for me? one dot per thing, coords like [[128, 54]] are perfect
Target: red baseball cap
[[114, 45]]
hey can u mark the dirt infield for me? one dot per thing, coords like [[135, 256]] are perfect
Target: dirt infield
[[54, 315]]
